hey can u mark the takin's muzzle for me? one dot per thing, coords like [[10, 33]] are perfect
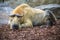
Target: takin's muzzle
[[15, 26]]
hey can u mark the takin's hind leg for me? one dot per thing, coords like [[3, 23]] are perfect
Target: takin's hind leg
[[49, 23]]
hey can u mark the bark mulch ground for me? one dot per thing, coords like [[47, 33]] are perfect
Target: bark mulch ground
[[35, 33]]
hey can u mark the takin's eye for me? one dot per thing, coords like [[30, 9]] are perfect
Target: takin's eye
[[12, 16], [19, 16]]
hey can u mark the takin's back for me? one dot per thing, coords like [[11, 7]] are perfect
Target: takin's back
[[37, 16]]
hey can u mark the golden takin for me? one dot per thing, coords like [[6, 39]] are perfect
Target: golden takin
[[26, 16]]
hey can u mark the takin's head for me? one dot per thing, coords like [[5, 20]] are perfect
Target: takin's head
[[16, 17], [15, 20]]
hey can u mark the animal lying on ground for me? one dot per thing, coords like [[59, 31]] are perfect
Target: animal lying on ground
[[26, 16]]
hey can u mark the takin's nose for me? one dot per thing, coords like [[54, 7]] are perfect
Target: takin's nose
[[15, 26]]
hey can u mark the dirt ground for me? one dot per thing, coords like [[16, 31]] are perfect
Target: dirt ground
[[35, 33]]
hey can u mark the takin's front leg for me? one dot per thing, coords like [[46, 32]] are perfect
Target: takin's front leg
[[27, 23]]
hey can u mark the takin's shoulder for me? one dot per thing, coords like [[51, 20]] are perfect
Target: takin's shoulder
[[19, 9]]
